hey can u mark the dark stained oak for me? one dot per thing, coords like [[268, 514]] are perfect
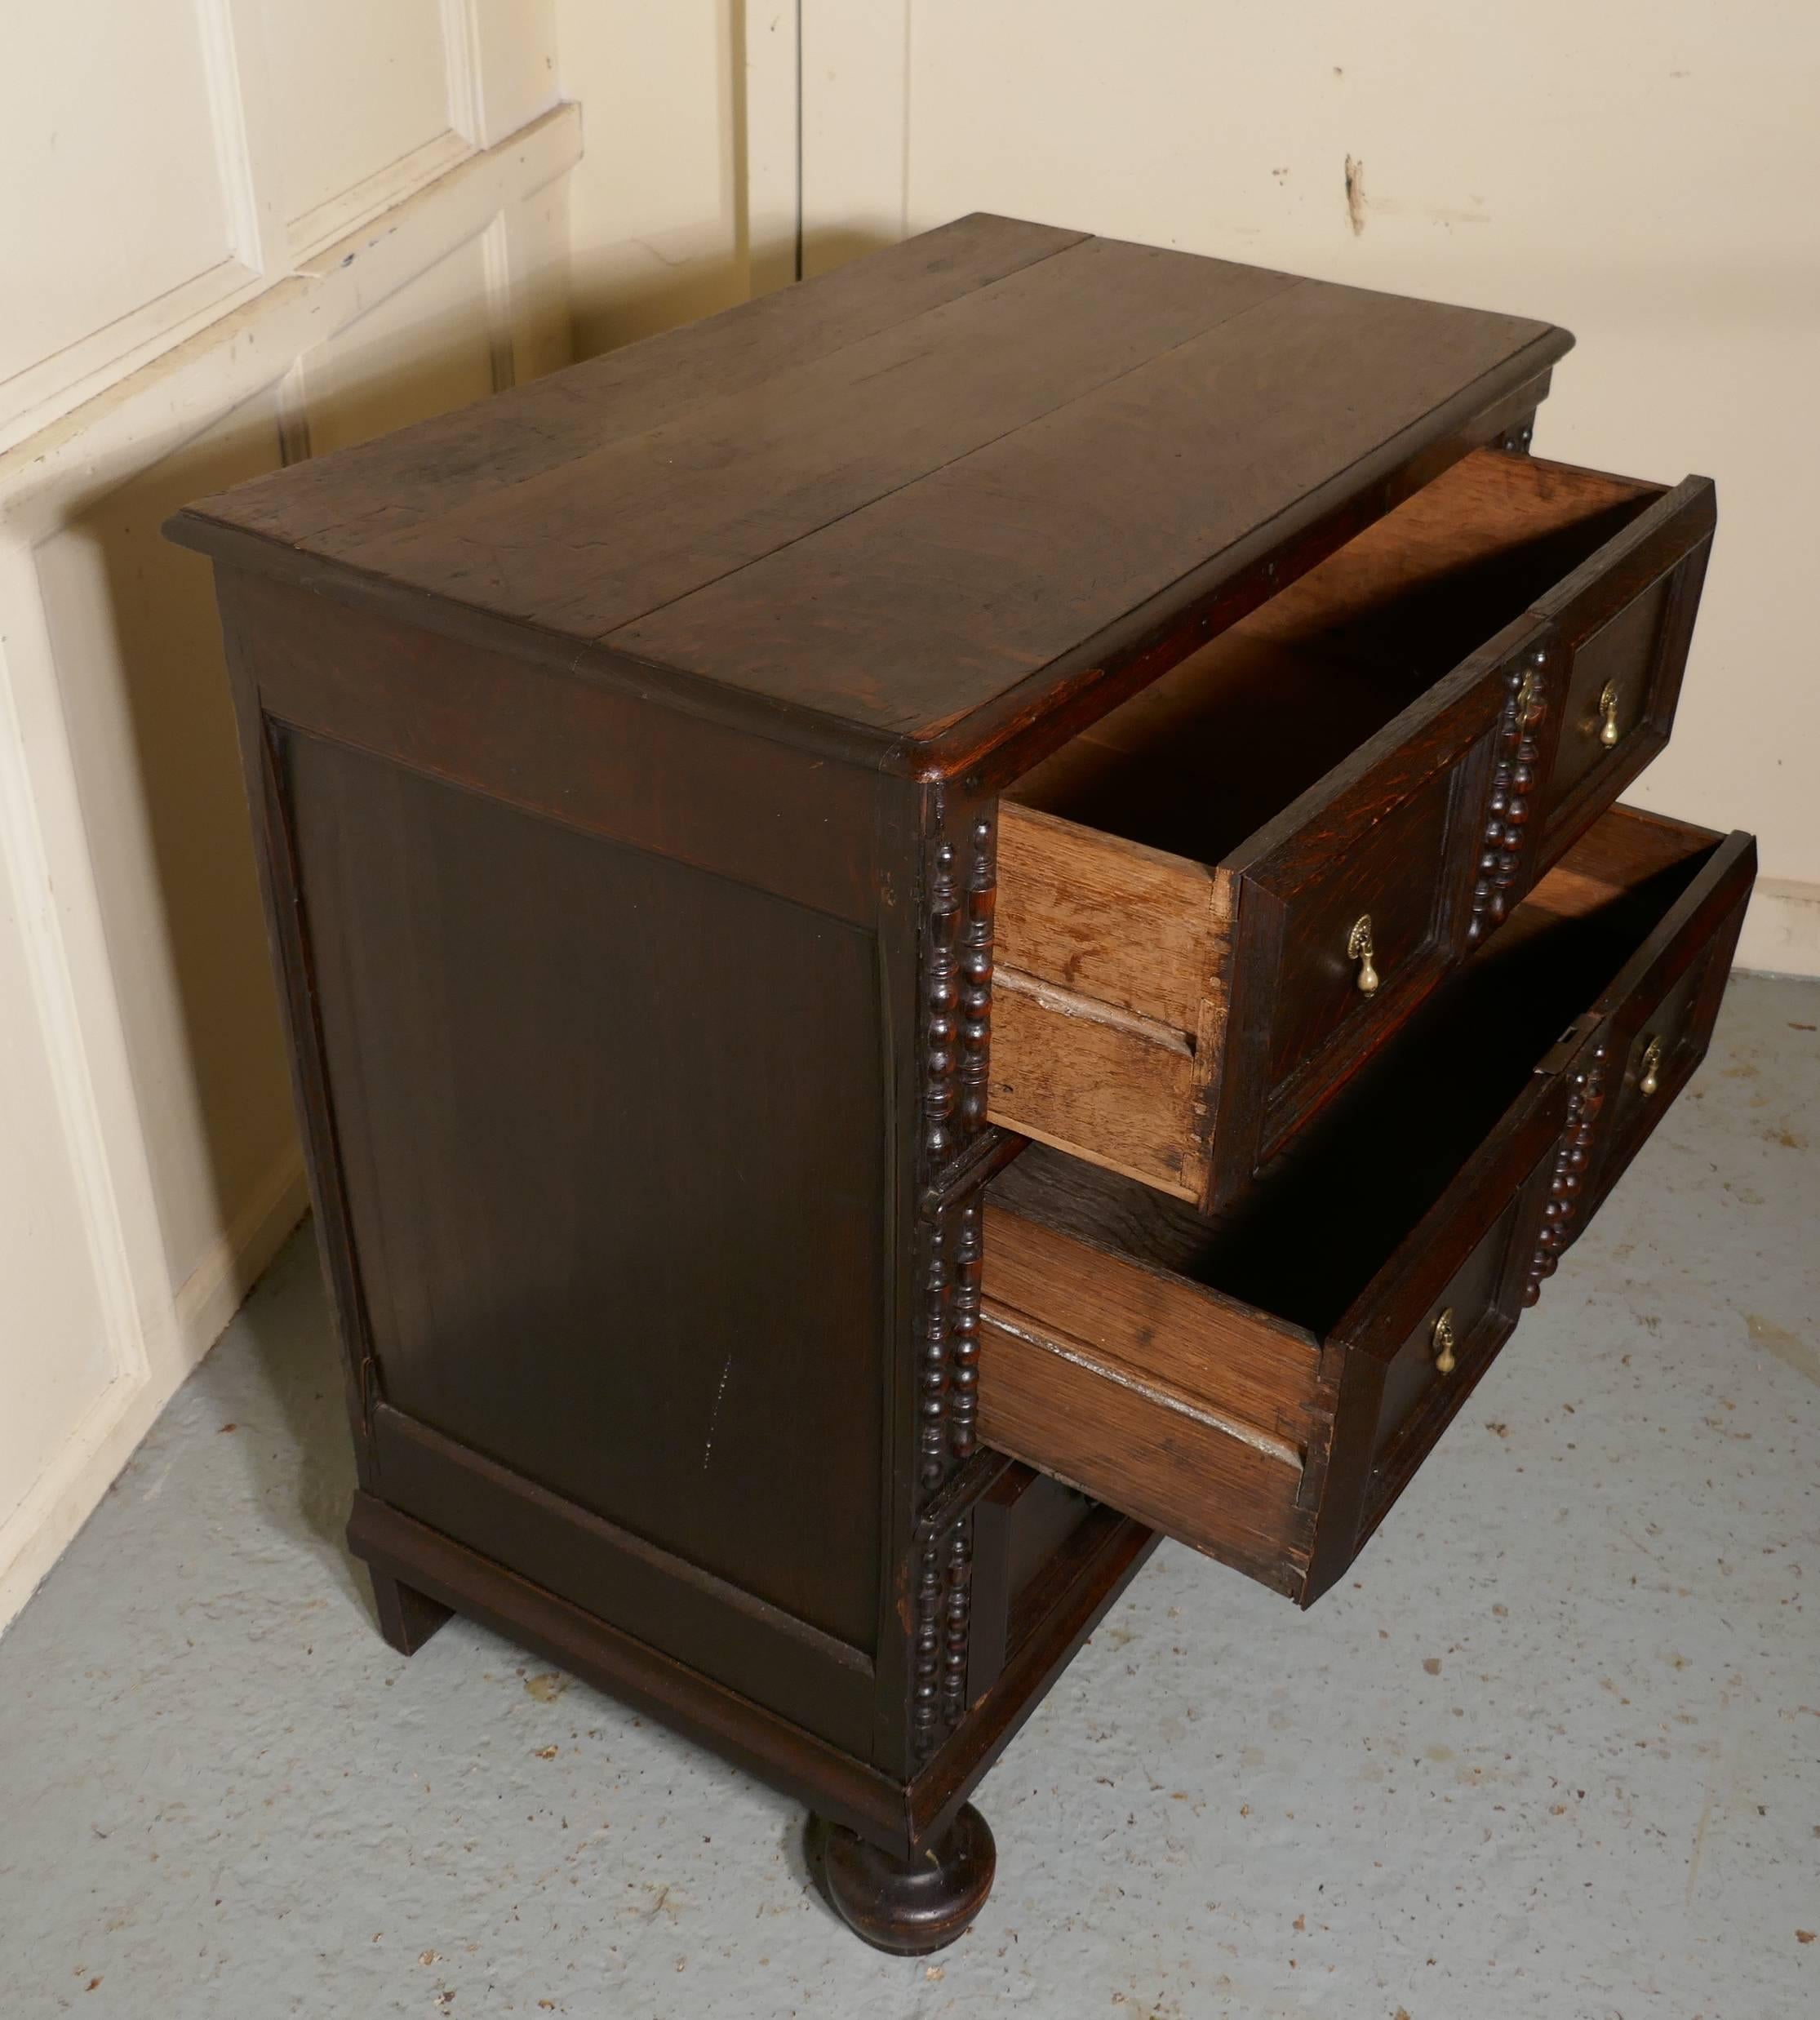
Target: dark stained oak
[[647, 770], [892, 495], [511, 1178], [910, 1906], [407, 1617]]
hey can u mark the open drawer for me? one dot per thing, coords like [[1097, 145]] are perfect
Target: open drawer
[[1263, 1385], [1220, 899]]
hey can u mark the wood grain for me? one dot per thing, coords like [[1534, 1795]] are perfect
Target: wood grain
[[514, 1016], [889, 496], [1111, 990], [1243, 1366], [1109, 918], [767, 1655], [1173, 479], [1164, 1462], [1119, 1092], [408, 479]]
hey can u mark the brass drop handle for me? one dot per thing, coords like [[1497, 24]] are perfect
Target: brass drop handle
[[1445, 1362], [1608, 714], [1648, 1072], [1358, 948]]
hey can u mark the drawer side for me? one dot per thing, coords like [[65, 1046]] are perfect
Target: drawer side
[[1110, 969], [1193, 1413], [1133, 927]]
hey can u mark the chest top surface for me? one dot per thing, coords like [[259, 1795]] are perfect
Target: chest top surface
[[893, 495]]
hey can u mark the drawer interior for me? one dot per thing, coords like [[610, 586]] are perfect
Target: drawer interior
[[1215, 749], [1324, 1217]]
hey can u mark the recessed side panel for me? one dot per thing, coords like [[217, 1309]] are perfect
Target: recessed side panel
[[612, 1133]]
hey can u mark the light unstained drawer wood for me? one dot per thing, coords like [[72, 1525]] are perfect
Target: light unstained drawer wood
[[1179, 1406], [1111, 986], [1064, 1068], [1132, 927]]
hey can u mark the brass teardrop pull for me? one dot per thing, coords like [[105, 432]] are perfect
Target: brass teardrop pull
[[1445, 1362], [1358, 948], [1608, 714], [1649, 1071]]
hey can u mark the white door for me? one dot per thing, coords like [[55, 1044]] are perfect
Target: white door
[[233, 232]]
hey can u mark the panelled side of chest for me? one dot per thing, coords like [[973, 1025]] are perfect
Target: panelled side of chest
[[596, 1009]]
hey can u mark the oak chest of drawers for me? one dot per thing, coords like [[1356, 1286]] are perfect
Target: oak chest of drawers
[[969, 914]]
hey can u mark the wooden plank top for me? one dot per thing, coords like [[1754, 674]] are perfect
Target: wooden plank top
[[885, 500]]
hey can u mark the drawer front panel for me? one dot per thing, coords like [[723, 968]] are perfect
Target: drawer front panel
[[1620, 627], [1605, 703], [1379, 865], [1385, 902], [1463, 1326], [1661, 1017], [1660, 1054]]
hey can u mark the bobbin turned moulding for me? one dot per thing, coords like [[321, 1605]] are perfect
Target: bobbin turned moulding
[[693, 799]]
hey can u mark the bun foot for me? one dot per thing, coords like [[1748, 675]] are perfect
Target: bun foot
[[912, 1905]]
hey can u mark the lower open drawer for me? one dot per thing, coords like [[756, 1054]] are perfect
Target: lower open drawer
[[1263, 1385]]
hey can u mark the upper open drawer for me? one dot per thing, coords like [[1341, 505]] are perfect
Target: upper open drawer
[[1262, 1386], [1217, 901]]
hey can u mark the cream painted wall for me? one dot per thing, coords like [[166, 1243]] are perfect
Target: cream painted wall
[[1642, 171], [684, 200], [656, 234]]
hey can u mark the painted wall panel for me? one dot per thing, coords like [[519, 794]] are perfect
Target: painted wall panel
[[357, 85], [149, 1165], [104, 112], [59, 1308], [656, 236], [421, 350]]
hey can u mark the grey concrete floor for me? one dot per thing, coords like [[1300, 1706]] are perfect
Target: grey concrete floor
[[1555, 1750]]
